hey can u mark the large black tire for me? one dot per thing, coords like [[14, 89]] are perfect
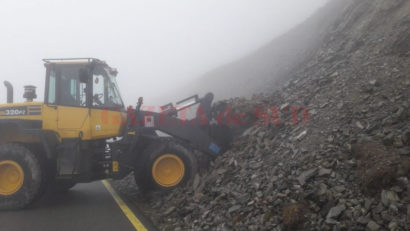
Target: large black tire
[[144, 168], [34, 179]]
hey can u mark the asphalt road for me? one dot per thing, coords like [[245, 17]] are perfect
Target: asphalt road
[[86, 207]]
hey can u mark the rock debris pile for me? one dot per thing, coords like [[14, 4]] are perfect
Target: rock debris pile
[[344, 167]]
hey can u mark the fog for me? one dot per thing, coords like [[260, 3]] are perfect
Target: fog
[[156, 45]]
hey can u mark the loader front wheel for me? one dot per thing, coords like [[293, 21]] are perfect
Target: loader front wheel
[[166, 166], [168, 170], [22, 178]]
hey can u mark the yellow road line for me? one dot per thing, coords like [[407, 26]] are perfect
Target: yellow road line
[[125, 209]]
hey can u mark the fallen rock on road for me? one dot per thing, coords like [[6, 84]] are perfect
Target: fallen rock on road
[[345, 168]]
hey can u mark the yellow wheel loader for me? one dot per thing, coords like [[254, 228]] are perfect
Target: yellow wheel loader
[[82, 133]]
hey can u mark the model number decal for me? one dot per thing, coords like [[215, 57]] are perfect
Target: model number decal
[[17, 111], [11, 112]]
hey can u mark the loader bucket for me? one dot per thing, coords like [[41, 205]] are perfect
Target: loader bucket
[[212, 128]]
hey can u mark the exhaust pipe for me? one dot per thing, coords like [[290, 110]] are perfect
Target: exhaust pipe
[[9, 91]]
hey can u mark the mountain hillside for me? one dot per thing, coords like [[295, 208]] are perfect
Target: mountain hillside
[[254, 72], [345, 166]]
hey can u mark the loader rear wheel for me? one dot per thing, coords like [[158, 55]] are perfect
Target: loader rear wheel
[[165, 166], [22, 178], [11, 177]]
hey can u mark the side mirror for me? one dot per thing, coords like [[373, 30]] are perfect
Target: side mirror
[[139, 104], [113, 72]]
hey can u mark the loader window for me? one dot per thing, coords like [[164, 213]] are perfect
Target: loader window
[[52, 88], [98, 90], [114, 98], [72, 90], [73, 87], [105, 90]]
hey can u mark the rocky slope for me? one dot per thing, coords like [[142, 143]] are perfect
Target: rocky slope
[[345, 167], [253, 73]]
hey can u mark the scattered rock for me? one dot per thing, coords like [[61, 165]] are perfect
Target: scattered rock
[[334, 213], [306, 175], [324, 172], [335, 74], [388, 140], [169, 210], [374, 82], [196, 182], [359, 125], [373, 226], [406, 137], [404, 151], [408, 212], [339, 188], [393, 226], [301, 135], [389, 197], [234, 208], [363, 220]]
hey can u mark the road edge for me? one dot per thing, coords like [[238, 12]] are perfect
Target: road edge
[[134, 215]]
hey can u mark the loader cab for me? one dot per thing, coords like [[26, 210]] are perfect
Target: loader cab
[[85, 97]]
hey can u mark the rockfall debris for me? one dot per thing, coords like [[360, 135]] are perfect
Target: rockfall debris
[[346, 167]]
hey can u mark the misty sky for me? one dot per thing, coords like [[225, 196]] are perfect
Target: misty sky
[[156, 45]]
